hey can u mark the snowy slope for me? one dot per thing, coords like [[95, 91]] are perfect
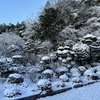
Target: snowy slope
[[90, 92]]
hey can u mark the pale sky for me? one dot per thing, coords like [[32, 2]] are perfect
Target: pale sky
[[13, 11]]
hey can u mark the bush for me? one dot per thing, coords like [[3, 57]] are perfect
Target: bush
[[64, 78], [44, 84], [61, 70], [15, 78], [76, 80], [82, 51], [47, 73], [11, 92]]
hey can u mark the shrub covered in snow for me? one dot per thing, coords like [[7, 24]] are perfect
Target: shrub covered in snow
[[76, 80], [64, 78], [12, 48], [44, 84], [75, 72], [15, 78], [59, 84], [35, 72], [46, 59], [61, 70], [19, 59], [46, 62], [92, 73], [11, 92], [47, 73], [18, 69], [82, 69], [82, 51], [65, 54], [90, 37], [7, 39]]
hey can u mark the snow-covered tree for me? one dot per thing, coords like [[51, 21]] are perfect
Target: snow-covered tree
[[49, 24], [82, 51]]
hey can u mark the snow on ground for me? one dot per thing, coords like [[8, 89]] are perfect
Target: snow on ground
[[90, 92], [26, 89]]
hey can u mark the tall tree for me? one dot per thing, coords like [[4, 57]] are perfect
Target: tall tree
[[49, 24]]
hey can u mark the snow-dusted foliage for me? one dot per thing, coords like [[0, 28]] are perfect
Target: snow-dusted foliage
[[35, 72], [15, 78], [47, 73], [64, 78], [45, 58], [82, 51], [47, 45], [61, 70], [29, 32], [11, 92], [76, 80], [69, 34], [4, 64], [75, 72], [65, 54], [82, 69], [92, 73], [44, 84], [61, 50], [59, 84], [8, 39], [90, 39]]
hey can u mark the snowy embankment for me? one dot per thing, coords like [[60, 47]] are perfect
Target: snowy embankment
[[90, 92]]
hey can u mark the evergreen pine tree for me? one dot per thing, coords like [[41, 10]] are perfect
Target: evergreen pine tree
[[49, 24]]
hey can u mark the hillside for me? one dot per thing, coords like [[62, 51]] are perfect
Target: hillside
[[59, 50]]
